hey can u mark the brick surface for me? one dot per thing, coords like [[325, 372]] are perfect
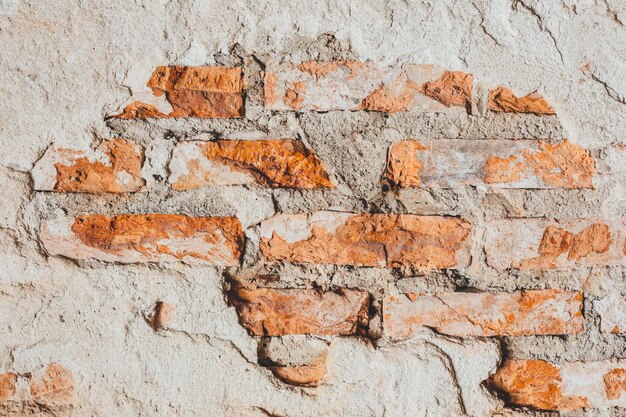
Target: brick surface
[[203, 92], [612, 311], [485, 314], [278, 312], [503, 99], [352, 85], [497, 163], [54, 384], [7, 386], [270, 163], [391, 240], [545, 386], [308, 375], [132, 238], [114, 167], [544, 243]]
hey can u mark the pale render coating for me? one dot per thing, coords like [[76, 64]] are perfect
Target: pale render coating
[[67, 65]]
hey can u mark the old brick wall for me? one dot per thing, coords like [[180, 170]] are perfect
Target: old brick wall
[[249, 208]]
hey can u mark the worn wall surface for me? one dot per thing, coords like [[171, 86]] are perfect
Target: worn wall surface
[[84, 333]]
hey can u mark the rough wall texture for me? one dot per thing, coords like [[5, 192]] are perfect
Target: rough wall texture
[[313, 208]]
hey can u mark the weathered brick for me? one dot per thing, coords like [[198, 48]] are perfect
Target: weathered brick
[[162, 315], [497, 163], [278, 312], [114, 167], [7, 386], [54, 385], [612, 311], [308, 375], [132, 238], [545, 386], [270, 163], [203, 92], [485, 314], [545, 243], [502, 99], [352, 85], [392, 240]]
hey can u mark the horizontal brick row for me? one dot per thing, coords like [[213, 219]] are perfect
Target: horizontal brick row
[[497, 163], [218, 92], [133, 238], [52, 386], [392, 240], [543, 385]]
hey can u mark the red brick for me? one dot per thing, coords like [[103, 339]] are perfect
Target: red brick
[[54, 385], [115, 167], [569, 386], [485, 314], [203, 92], [279, 312], [392, 240], [7, 386], [502, 99], [269, 163], [548, 244], [352, 85], [496, 163], [132, 238]]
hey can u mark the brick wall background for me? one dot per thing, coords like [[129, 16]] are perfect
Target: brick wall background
[[248, 208]]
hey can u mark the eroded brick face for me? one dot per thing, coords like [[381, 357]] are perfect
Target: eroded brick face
[[503, 99], [268, 163], [308, 375], [202, 92], [54, 384], [278, 312], [485, 314], [383, 240], [612, 311], [115, 167], [132, 238], [352, 85], [543, 385], [497, 163], [547, 244], [7, 386]]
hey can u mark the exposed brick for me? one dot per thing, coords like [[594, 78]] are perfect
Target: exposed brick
[[270, 163], [203, 92], [544, 243], [545, 386], [54, 385], [162, 315], [114, 167], [485, 314], [308, 375], [392, 240], [352, 85], [502, 99], [497, 163], [7, 386], [612, 311], [278, 312], [131, 238]]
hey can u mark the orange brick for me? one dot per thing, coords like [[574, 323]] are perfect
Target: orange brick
[[203, 92], [485, 314], [115, 167], [549, 244], [496, 163], [308, 375], [269, 163], [7, 386], [502, 99], [54, 385], [278, 312], [132, 238], [353, 85], [383, 240]]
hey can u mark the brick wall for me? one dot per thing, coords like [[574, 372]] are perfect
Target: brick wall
[[315, 233]]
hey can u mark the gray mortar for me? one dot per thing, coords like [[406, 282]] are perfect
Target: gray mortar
[[65, 68]]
